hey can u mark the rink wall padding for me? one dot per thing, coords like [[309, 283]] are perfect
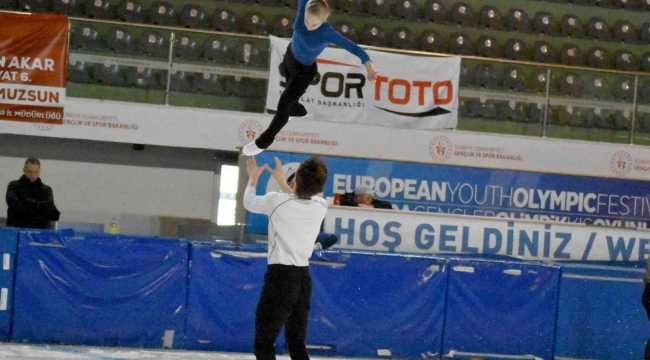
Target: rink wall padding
[[97, 289], [225, 281], [364, 304], [601, 308], [8, 249], [501, 308]]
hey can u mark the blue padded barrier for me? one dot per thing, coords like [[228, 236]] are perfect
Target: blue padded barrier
[[506, 308], [223, 290], [369, 305], [100, 289], [600, 314], [8, 247]]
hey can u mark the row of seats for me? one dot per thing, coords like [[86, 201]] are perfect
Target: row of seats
[[634, 5], [557, 115], [254, 22], [571, 84], [152, 43], [146, 78]]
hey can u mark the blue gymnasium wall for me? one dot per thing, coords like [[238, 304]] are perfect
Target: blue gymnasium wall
[[96, 289]]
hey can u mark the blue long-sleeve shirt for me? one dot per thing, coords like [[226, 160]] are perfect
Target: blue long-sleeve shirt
[[307, 45]]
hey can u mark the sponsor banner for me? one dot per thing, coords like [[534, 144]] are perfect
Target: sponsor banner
[[33, 67], [226, 130], [422, 95], [478, 192], [428, 234]]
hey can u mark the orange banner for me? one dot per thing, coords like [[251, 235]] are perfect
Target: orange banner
[[33, 67]]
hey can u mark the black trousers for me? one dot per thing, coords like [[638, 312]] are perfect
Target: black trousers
[[285, 301], [298, 77], [645, 300]]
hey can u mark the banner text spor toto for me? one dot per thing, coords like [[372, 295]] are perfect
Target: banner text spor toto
[[411, 92], [33, 53]]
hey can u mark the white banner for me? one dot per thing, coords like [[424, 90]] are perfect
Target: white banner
[[411, 92], [226, 130], [411, 232]]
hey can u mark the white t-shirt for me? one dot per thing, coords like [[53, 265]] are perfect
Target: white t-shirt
[[294, 224]]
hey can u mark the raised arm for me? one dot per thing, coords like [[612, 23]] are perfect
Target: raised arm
[[355, 49]]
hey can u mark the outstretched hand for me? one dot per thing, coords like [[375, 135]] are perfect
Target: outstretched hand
[[253, 170], [372, 72], [276, 173]]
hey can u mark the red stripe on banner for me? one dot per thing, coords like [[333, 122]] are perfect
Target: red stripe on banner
[[331, 62]]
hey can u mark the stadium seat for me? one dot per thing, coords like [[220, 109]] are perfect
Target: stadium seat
[[407, 10], [645, 62], [543, 52], [352, 7], [623, 120], [536, 114], [517, 20], [597, 28], [515, 49], [539, 79], [120, 41], [153, 44], [487, 46], [571, 55], [100, 9], [85, 37], [625, 31], [186, 48], [644, 93], [571, 85], [346, 29], [251, 2], [79, 72], [625, 60], [514, 111], [598, 88], [108, 74], [464, 76], [434, 11], [210, 84], [460, 44], [249, 54], [67, 7], [217, 50], [131, 11], [283, 26], [572, 116], [224, 20], [431, 41], [181, 81], [9, 5], [402, 38], [141, 77], [463, 107], [598, 57], [644, 124], [624, 89], [462, 14], [379, 8], [193, 16], [599, 118], [373, 35], [490, 17], [483, 108], [162, 13], [625, 4], [485, 75], [242, 87], [255, 23], [645, 5], [571, 26], [35, 5], [513, 79], [545, 23], [644, 33]]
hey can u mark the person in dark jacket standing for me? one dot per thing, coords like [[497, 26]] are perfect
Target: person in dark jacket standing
[[30, 202]]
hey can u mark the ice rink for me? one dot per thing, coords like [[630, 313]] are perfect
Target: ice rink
[[40, 352]]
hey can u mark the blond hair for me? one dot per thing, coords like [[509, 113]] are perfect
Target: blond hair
[[319, 8]]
